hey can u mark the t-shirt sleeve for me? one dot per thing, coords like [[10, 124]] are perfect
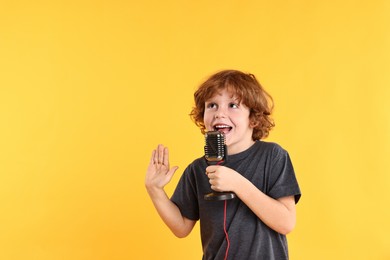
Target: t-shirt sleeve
[[185, 195], [283, 180]]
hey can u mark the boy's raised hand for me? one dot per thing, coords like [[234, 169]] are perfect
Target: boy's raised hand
[[159, 173]]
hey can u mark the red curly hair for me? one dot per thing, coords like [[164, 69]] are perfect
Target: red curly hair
[[248, 91]]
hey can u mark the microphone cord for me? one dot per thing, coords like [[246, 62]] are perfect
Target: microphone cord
[[225, 230], [224, 224]]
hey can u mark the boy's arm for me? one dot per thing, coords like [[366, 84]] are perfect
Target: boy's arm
[[278, 214], [158, 175], [170, 213]]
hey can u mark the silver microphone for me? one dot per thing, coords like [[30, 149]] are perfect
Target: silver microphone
[[215, 152]]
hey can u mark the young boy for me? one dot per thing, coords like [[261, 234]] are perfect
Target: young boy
[[255, 223]]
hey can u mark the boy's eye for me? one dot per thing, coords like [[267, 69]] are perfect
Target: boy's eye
[[233, 105], [211, 105]]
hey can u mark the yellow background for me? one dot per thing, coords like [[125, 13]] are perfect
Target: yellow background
[[89, 88]]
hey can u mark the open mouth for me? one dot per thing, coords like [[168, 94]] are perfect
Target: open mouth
[[223, 128]]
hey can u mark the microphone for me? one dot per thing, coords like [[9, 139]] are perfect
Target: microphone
[[216, 154]]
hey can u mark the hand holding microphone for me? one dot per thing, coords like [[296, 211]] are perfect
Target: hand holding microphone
[[221, 178], [215, 155]]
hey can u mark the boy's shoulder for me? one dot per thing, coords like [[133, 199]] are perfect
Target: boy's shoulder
[[270, 145], [272, 149], [198, 162]]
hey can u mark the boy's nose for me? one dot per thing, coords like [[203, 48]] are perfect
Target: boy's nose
[[219, 114]]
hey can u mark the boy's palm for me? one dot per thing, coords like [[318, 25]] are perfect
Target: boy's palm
[[159, 173]]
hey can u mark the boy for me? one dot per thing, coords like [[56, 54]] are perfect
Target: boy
[[259, 173]]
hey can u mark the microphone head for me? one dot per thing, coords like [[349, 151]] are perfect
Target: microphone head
[[215, 149]]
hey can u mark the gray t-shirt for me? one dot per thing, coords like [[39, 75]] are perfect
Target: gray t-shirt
[[269, 168]]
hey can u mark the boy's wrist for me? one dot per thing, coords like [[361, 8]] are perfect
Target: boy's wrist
[[241, 185], [154, 190]]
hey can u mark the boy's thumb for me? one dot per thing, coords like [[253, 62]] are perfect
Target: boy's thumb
[[173, 170]]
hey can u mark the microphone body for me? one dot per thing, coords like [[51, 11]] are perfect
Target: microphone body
[[216, 154]]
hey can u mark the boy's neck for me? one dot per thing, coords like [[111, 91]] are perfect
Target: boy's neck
[[238, 148]]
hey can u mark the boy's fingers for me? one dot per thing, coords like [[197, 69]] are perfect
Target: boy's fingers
[[160, 157], [166, 157], [211, 169], [173, 170], [152, 160], [155, 159]]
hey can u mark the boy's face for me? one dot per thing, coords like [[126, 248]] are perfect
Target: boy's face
[[224, 113]]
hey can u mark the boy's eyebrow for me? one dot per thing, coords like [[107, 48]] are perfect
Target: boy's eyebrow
[[232, 98], [236, 99]]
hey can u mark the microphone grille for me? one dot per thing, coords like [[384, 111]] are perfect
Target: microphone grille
[[215, 148]]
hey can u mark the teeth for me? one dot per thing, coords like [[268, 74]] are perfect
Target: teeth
[[221, 126]]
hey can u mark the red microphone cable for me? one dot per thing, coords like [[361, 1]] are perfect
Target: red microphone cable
[[226, 233], [224, 224]]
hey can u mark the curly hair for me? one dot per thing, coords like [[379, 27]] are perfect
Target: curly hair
[[248, 91]]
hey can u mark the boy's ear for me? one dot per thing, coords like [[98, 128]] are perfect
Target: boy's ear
[[253, 124]]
